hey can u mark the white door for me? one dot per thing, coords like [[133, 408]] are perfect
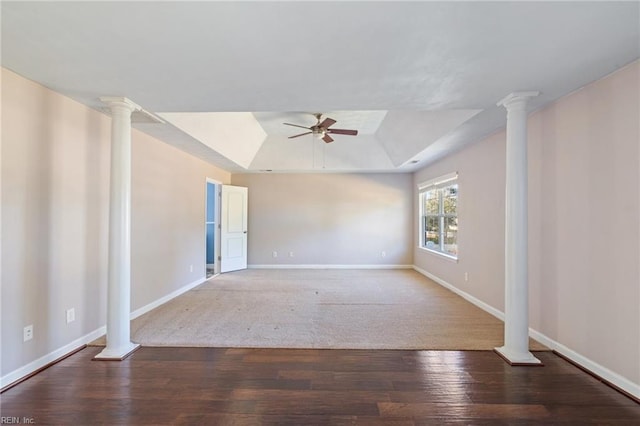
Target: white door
[[233, 235]]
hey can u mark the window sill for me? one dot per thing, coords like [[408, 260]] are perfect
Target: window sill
[[440, 254]]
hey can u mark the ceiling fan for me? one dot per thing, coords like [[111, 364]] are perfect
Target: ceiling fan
[[321, 129]]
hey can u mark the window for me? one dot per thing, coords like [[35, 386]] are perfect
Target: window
[[439, 215]]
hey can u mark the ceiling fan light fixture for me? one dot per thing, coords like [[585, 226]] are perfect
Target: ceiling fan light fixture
[[319, 134]]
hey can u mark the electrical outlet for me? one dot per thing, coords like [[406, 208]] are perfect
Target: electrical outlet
[[383, 254], [466, 276], [190, 268], [290, 254], [71, 315], [275, 254], [27, 333]]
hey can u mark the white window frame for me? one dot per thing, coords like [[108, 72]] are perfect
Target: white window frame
[[423, 188]]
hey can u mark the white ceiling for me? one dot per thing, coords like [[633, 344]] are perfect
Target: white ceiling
[[417, 79]]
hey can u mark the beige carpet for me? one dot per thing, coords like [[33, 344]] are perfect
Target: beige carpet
[[332, 309]]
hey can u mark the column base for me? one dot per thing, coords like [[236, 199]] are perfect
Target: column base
[[117, 354], [518, 358]]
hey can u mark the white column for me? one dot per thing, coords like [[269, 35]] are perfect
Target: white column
[[516, 322], [119, 344]]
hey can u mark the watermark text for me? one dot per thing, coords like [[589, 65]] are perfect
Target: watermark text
[[14, 420]]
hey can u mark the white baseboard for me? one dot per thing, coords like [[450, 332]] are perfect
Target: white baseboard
[[479, 303], [592, 366], [328, 266], [50, 357], [146, 308], [70, 347], [597, 369]]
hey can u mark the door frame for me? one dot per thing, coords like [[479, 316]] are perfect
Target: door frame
[[216, 241]]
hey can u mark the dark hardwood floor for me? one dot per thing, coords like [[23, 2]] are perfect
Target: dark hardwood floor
[[213, 386]]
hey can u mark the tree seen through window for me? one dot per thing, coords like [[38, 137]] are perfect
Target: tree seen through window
[[440, 219]]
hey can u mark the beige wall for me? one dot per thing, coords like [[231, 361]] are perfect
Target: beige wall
[[167, 218], [329, 219], [584, 219], [55, 177], [55, 181], [481, 179]]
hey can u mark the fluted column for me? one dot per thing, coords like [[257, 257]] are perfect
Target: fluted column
[[119, 344], [516, 323]]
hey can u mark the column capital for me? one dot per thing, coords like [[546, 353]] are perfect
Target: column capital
[[112, 101], [514, 98]]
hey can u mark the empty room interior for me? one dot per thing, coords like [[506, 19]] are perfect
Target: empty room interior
[[320, 212]]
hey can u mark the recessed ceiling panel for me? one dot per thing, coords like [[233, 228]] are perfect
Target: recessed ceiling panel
[[406, 133], [345, 153], [236, 135]]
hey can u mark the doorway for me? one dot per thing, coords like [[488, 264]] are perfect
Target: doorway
[[212, 237], [226, 211]]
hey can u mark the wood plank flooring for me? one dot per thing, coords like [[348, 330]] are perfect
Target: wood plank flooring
[[217, 386]]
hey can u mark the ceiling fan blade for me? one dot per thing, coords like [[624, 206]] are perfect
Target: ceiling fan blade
[[343, 132], [295, 125], [328, 122], [327, 138], [301, 134]]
